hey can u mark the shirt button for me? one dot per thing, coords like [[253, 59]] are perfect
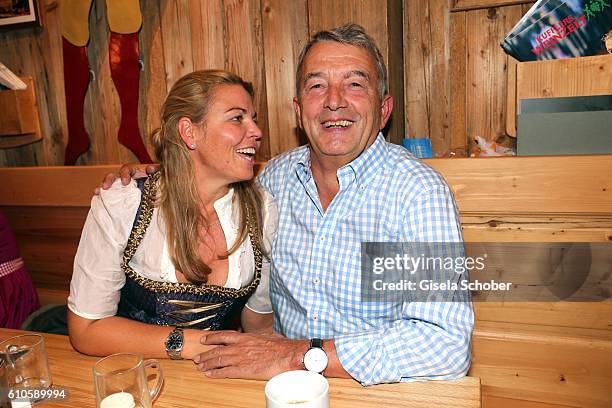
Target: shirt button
[[322, 239], [362, 187], [315, 317], [315, 281]]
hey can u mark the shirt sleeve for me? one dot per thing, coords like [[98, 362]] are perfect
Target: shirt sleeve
[[432, 339], [97, 276], [259, 301]]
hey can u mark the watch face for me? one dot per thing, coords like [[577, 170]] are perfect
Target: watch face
[[174, 342], [315, 360]]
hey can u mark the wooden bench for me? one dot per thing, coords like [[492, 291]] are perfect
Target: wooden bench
[[527, 354]]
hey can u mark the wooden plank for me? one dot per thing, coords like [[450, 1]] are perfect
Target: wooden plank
[[458, 78], [49, 81], [530, 184], [246, 56], [19, 112], [536, 228], [370, 14], [282, 50], [153, 88], [566, 77], [511, 100], [395, 130], [176, 39], [587, 315], [462, 5], [38, 186], [52, 296], [48, 238], [439, 84], [499, 402], [207, 40], [416, 77], [487, 64], [557, 365]]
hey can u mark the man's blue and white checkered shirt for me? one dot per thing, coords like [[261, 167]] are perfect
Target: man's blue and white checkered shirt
[[385, 195]]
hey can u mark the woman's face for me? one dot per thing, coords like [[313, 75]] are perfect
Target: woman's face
[[228, 138]]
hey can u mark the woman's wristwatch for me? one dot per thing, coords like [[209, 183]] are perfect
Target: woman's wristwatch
[[174, 343]]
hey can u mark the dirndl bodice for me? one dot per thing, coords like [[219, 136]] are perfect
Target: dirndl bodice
[[206, 307]]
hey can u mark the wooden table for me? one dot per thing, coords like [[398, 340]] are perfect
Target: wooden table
[[186, 387]]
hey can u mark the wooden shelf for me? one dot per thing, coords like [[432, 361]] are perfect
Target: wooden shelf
[[580, 76], [19, 120]]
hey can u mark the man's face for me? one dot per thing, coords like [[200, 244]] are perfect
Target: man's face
[[339, 107]]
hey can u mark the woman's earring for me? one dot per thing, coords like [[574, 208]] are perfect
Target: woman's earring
[[192, 147]]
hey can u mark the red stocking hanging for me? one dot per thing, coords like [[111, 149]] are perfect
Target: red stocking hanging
[[76, 80], [125, 71]]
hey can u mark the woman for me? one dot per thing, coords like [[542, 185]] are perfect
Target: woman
[[18, 298], [185, 248]]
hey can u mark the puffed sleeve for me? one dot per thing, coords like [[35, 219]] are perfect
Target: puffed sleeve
[[260, 300], [97, 277]]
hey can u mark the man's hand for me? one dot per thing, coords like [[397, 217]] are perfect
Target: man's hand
[[250, 355], [127, 172]]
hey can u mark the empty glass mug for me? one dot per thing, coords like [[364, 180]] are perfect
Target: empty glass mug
[[25, 362], [121, 381]]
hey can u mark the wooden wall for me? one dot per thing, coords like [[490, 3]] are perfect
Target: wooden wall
[[448, 73], [258, 39], [456, 72]]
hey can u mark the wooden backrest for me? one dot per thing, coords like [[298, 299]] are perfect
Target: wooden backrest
[[500, 200]]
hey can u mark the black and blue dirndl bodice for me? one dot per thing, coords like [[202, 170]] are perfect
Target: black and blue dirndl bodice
[[206, 307]]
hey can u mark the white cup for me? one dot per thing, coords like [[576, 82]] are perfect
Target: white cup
[[297, 389]]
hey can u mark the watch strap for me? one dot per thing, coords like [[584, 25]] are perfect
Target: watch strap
[[316, 343]]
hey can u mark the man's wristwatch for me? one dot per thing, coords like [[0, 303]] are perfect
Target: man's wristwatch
[[174, 343], [315, 359]]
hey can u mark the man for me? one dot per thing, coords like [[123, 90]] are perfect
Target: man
[[346, 187]]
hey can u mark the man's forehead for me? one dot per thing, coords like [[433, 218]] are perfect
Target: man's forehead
[[331, 54]]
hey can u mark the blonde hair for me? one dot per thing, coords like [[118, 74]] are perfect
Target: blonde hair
[[179, 201]]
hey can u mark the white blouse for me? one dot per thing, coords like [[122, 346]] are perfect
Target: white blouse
[[97, 278]]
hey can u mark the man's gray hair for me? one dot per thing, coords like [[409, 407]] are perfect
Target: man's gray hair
[[350, 34]]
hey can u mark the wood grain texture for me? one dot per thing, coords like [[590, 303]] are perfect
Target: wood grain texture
[[555, 365], [567, 77], [370, 14], [461, 5], [207, 39], [416, 49], [586, 315], [458, 78], [176, 39], [20, 114], [245, 56], [439, 73], [282, 51], [153, 75], [530, 185], [186, 387], [486, 72]]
